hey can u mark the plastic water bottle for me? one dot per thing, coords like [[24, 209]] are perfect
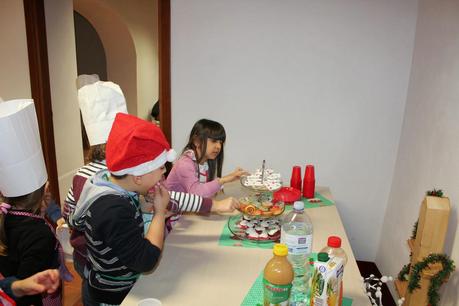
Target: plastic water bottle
[[297, 235]]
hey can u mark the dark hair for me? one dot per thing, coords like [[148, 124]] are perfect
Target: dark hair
[[29, 202], [155, 111], [201, 131], [97, 152], [118, 177]]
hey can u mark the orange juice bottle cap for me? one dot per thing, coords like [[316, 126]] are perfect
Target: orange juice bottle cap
[[280, 249]]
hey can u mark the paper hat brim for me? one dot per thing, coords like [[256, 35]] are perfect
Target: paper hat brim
[[160, 160], [22, 167], [99, 103]]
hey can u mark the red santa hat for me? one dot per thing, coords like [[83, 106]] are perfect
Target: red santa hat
[[136, 146]]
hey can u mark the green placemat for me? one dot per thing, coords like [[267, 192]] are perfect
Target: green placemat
[[324, 201], [255, 295]]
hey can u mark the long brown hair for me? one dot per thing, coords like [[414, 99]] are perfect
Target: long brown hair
[[97, 153], [201, 131], [30, 202]]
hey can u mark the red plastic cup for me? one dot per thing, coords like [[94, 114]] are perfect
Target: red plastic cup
[[309, 173], [295, 180], [309, 182]]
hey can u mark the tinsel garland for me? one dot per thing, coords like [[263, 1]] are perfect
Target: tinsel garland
[[435, 193], [403, 274], [436, 281]]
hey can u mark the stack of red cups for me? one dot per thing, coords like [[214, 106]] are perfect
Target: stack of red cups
[[309, 182], [295, 180]]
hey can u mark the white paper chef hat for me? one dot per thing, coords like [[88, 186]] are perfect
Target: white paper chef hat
[[22, 167], [86, 79], [99, 104]]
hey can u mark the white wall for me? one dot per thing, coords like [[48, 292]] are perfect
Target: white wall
[[428, 154], [141, 17], [62, 74], [14, 61], [298, 82]]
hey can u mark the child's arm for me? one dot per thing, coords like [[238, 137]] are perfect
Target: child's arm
[[53, 211], [69, 205], [45, 281], [188, 202], [226, 205], [236, 174]]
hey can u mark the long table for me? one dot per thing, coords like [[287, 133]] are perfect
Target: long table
[[195, 270]]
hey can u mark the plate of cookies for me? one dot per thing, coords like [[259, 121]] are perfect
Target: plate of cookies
[[262, 180], [261, 205], [255, 228]]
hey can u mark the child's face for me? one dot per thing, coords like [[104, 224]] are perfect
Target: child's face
[[150, 179], [213, 148]]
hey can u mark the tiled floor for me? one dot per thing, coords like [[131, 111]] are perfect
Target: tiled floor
[[72, 290]]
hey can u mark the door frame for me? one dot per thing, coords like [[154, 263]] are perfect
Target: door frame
[[34, 11], [164, 45]]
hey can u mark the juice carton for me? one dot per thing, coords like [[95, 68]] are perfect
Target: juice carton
[[326, 281]]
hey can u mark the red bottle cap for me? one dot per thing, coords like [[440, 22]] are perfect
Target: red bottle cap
[[334, 242]]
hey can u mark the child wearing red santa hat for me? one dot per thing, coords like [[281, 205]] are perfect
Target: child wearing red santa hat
[[109, 212], [118, 249], [99, 103]]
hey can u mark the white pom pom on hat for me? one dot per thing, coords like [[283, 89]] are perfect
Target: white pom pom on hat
[[171, 155], [136, 146]]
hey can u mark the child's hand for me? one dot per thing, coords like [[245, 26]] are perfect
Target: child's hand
[[160, 199], [146, 203], [46, 281], [225, 206], [237, 173], [60, 222]]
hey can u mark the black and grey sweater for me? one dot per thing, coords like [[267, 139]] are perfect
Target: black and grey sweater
[[117, 249]]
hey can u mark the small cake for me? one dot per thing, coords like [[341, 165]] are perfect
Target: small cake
[[274, 232], [243, 224], [259, 228], [263, 235], [265, 223], [251, 234]]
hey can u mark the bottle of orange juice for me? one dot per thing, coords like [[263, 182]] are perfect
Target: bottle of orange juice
[[326, 280], [333, 249], [277, 278]]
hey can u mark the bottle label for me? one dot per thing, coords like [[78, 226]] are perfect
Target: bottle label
[[297, 244], [275, 294]]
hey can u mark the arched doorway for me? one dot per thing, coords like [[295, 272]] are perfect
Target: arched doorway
[[120, 52], [39, 75]]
